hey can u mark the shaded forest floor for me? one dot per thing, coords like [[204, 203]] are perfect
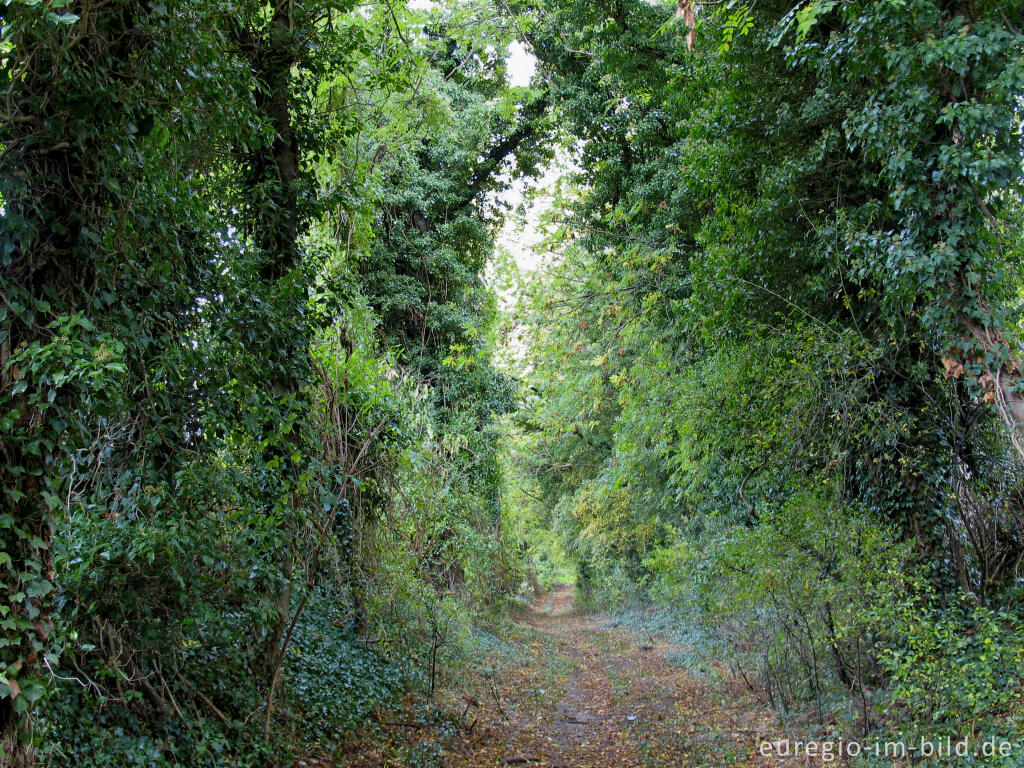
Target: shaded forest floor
[[579, 694]]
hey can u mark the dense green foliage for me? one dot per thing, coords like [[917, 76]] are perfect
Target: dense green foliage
[[773, 374], [248, 408]]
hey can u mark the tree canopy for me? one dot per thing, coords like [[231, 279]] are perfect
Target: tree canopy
[[277, 451]]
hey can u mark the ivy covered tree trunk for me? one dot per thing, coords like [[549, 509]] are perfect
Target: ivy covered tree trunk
[[62, 173]]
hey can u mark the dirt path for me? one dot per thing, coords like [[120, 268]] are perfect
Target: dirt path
[[586, 696], [567, 691]]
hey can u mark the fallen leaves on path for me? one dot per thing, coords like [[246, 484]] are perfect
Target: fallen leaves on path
[[585, 696]]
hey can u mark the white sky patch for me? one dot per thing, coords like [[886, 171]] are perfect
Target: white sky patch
[[522, 231], [521, 65]]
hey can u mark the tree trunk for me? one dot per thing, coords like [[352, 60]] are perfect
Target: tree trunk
[[54, 165], [1000, 384], [274, 172]]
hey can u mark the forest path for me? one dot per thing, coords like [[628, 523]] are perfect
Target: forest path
[[585, 695]]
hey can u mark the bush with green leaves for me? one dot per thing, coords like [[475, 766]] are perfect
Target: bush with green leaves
[[788, 599]]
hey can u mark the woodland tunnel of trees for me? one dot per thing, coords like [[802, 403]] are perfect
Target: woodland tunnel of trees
[[288, 428]]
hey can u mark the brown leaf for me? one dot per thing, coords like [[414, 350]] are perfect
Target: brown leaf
[[42, 628], [687, 9], [954, 368]]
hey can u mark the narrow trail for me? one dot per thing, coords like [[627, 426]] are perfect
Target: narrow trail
[[588, 696]]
